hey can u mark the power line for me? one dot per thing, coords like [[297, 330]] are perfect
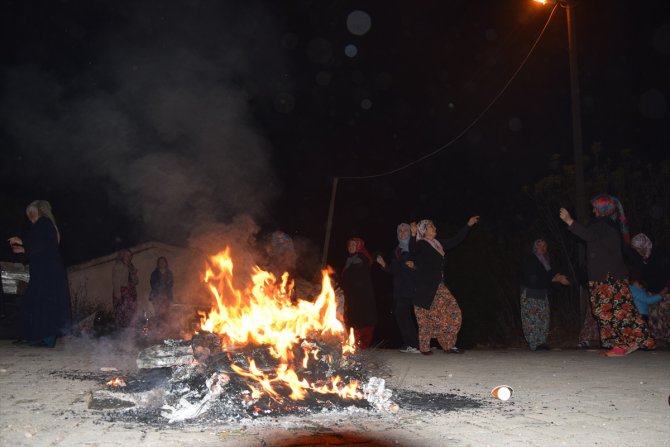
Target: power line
[[468, 127]]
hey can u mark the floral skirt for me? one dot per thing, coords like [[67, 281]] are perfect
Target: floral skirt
[[534, 320], [619, 320], [124, 307], [441, 321]]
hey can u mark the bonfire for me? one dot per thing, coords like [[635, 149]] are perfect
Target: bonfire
[[261, 349]]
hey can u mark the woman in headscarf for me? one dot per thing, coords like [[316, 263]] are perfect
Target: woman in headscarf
[[538, 277], [404, 288], [359, 301], [124, 292], [648, 265], [621, 325], [436, 309], [45, 310], [653, 271]]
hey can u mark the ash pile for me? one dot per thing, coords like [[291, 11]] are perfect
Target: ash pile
[[203, 380]]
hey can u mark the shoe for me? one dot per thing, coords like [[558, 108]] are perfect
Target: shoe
[[584, 344], [454, 350], [632, 349], [410, 350], [543, 347], [616, 352], [426, 352]]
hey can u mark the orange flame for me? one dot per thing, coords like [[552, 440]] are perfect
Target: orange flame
[[117, 382], [264, 314]]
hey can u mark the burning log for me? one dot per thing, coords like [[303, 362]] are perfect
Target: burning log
[[117, 382], [98, 402], [170, 353]]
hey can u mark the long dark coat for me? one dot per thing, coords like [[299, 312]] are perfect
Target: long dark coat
[[359, 299], [45, 310]]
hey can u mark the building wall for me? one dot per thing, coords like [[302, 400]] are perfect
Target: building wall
[[91, 282]]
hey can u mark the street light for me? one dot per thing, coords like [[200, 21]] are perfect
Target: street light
[[580, 195]]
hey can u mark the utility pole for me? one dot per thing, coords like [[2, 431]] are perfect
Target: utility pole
[[580, 194], [581, 209], [329, 223]]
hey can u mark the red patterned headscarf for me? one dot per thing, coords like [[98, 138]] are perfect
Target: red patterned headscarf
[[360, 248], [610, 206]]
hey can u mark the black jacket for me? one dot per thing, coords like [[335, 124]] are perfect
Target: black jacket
[[360, 309], [603, 248], [404, 278], [654, 274], [536, 279], [429, 265]]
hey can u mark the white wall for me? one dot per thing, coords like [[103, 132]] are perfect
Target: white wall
[[92, 280]]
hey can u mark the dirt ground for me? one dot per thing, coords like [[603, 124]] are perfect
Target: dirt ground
[[568, 397]]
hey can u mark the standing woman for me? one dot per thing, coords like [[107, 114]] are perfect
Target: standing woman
[[45, 311], [404, 288], [621, 325], [124, 293], [538, 277], [360, 310], [436, 309], [161, 289]]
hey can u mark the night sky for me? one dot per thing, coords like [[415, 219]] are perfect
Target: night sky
[[140, 120]]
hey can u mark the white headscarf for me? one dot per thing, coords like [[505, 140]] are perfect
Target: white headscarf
[[642, 244], [421, 233]]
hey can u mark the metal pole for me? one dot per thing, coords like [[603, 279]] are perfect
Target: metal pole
[[580, 195], [329, 223]]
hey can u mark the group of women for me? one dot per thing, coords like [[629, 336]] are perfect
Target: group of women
[[421, 295], [622, 328], [419, 288], [420, 292]]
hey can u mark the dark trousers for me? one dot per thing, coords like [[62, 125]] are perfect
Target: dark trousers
[[404, 316]]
